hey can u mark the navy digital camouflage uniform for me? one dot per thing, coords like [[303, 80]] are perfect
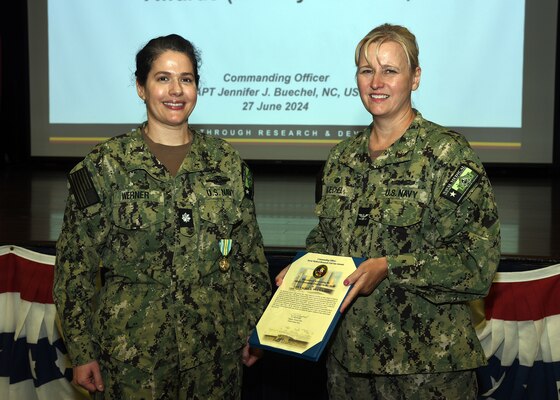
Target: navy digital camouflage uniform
[[426, 204], [157, 238]]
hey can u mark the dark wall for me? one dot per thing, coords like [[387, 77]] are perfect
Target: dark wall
[[14, 84], [556, 153]]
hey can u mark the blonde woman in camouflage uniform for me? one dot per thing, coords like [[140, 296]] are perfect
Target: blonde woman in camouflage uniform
[[167, 214], [413, 198]]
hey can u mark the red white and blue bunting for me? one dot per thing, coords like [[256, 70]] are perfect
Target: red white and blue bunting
[[521, 336], [33, 358]]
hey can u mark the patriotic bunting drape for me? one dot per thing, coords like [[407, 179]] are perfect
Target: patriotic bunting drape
[[33, 360], [521, 336]]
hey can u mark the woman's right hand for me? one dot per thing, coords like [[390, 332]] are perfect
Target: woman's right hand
[[280, 277], [88, 376]]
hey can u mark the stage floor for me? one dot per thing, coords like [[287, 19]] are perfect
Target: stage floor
[[32, 204]]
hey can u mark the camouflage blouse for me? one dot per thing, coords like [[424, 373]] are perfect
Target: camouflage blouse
[[427, 205], [170, 278]]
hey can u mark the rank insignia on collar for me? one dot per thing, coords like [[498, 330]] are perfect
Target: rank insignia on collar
[[185, 218], [363, 216], [462, 181]]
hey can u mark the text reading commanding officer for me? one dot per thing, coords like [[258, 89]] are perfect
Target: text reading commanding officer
[[413, 198], [167, 213]]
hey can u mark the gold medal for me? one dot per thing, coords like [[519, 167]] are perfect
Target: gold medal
[[224, 264]]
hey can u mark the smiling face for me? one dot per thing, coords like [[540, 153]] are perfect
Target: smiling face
[[170, 91], [386, 81]]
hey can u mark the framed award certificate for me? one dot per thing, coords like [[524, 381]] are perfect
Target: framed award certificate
[[304, 310]]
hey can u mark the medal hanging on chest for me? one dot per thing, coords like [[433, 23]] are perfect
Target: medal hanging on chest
[[225, 247]]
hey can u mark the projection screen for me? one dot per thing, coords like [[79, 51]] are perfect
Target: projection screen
[[278, 77]]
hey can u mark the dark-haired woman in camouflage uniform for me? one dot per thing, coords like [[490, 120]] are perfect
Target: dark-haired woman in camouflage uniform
[[167, 214]]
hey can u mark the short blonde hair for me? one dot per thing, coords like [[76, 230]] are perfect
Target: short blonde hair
[[390, 33]]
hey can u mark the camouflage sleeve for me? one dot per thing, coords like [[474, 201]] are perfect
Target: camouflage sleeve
[[257, 287], [461, 248], [316, 241], [78, 251]]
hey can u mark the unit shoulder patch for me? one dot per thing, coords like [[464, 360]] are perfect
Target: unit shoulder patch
[[462, 181]]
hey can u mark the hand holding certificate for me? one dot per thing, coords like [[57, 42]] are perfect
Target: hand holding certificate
[[305, 308]]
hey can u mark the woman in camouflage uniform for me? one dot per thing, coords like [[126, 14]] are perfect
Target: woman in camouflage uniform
[[412, 198], [166, 214]]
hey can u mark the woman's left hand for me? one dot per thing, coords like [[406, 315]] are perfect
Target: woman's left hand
[[365, 279]]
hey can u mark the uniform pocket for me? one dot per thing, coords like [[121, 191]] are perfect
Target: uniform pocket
[[397, 227], [135, 234], [328, 211], [137, 215], [399, 213], [131, 325], [219, 212], [225, 319]]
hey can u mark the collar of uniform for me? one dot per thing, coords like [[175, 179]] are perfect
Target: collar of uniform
[[140, 156], [355, 153], [403, 149], [200, 156]]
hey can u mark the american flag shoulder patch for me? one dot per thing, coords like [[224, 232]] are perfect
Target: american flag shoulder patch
[[81, 186]]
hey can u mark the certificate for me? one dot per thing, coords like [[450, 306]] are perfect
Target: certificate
[[303, 312]]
